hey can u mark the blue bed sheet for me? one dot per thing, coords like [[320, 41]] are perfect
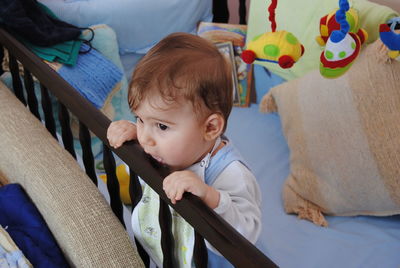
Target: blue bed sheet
[[292, 242]]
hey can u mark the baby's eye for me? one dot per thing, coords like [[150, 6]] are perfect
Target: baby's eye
[[138, 119], [162, 126]]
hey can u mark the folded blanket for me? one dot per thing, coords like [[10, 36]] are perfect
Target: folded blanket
[[93, 76], [28, 229]]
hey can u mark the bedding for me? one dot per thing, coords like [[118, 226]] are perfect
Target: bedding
[[10, 254], [76, 213], [107, 92], [28, 229], [305, 26], [98, 85]]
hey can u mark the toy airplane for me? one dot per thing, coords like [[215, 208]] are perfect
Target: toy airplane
[[390, 38]]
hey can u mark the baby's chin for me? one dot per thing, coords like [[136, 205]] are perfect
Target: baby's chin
[[177, 167]]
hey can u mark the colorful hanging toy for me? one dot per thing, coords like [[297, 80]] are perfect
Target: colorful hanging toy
[[390, 38], [341, 33], [279, 47]]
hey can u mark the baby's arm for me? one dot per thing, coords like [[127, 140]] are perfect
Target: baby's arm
[[121, 131], [179, 182], [240, 200], [235, 196]]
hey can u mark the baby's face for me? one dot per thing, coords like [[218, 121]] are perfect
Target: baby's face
[[170, 133]]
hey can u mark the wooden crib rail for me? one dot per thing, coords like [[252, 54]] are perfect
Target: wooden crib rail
[[239, 251]]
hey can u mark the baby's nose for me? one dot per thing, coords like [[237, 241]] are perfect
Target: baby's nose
[[146, 139]]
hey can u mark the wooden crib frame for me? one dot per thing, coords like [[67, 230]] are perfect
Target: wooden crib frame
[[207, 224]]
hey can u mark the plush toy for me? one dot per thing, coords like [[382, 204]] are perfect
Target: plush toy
[[342, 46], [328, 24], [390, 38], [279, 47]]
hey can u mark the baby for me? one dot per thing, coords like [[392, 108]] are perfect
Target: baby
[[181, 94]]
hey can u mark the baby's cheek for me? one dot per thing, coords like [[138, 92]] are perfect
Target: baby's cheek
[[173, 156]]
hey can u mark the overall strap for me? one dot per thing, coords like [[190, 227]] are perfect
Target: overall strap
[[220, 161]]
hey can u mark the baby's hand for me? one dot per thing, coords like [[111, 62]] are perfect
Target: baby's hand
[[121, 131], [179, 182]]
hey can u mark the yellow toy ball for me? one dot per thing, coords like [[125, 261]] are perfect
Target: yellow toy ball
[[123, 180]]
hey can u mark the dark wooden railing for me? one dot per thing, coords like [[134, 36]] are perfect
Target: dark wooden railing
[[239, 251]]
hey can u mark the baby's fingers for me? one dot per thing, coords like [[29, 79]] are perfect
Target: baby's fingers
[[119, 132], [179, 194], [116, 139], [170, 194]]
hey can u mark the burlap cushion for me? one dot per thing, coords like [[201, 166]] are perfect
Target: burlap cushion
[[344, 139], [75, 211]]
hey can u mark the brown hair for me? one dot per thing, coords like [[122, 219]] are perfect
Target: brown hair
[[184, 66]]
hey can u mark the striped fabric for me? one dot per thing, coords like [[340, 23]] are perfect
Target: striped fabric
[[344, 139]]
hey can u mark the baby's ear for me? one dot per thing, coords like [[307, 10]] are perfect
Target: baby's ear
[[214, 125]]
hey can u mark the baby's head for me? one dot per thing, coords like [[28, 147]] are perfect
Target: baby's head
[[184, 67], [181, 92]]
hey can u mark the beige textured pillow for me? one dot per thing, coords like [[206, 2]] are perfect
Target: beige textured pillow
[[344, 139], [75, 211]]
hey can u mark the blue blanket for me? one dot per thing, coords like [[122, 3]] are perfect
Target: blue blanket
[[28, 229]]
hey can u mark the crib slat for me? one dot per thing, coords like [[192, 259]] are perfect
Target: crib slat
[[200, 254], [142, 253], [135, 189], [30, 92], [1, 58], [112, 183], [167, 240], [16, 80], [221, 11], [66, 133], [242, 11], [48, 111], [87, 153]]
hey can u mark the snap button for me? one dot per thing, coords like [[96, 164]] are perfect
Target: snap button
[[203, 163]]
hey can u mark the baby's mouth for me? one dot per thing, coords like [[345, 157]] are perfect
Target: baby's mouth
[[159, 159]]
